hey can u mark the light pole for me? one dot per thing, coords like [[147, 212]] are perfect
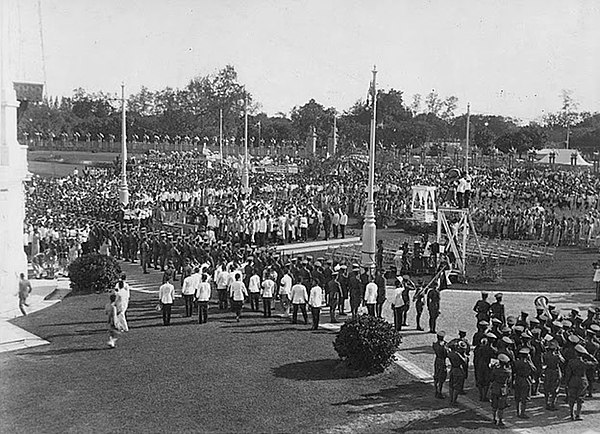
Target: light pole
[[123, 189], [369, 227], [245, 174], [221, 134], [467, 140]]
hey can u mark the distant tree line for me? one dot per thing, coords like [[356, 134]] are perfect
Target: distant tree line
[[194, 111]]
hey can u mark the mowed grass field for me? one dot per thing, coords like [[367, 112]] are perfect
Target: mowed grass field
[[258, 375]]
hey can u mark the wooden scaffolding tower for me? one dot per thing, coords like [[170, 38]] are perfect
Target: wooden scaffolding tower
[[457, 234]]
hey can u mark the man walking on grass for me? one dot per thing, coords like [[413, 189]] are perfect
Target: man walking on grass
[[24, 291]]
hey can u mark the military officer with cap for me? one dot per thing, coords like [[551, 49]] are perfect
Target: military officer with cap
[[500, 381], [439, 365], [482, 308], [497, 309], [576, 379], [523, 372]]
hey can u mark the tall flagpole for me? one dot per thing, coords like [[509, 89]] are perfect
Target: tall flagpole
[[123, 188], [467, 140], [334, 144], [369, 227], [245, 174], [221, 133]]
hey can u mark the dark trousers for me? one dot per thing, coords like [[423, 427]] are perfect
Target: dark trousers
[[267, 307], [202, 312], [316, 315], [222, 298], [189, 304], [343, 231], [371, 309], [144, 262], [379, 309], [404, 313], [432, 321], [254, 296], [166, 313], [302, 307], [398, 318], [335, 231]]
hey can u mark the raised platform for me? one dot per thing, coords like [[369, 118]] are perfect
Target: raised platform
[[316, 246]]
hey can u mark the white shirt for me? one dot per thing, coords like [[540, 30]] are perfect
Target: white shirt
[[371, 293], [166, 293], [344, 219], [190, 284], [254, 284], [222, 278], [268, 287], [299, 294], [238, 291], [397, 300], [286, 284], [316, 296], [203, 291]]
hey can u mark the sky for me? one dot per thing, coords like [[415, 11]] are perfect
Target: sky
[[510, 57]]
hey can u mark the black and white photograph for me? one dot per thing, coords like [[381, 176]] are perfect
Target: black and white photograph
[[300, 216]]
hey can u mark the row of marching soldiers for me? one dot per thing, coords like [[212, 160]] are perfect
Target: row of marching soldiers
[[519, 354]]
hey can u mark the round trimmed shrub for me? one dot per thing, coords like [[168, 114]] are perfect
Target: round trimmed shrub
[[94, 273], [367, 343]]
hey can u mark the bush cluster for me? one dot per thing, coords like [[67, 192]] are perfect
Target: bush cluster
[[94, 273], [367, 343]]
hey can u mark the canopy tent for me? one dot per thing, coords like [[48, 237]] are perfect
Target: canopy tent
[[567, 157]]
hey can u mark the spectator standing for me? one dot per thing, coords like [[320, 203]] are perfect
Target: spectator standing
[[371, 296], [166, 295], [254, 289], [267, 291], [315, 302], [299, 298], [203, 297], [188, 290], [237, 293]]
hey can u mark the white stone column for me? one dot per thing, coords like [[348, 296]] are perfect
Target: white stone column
[[13, 171]]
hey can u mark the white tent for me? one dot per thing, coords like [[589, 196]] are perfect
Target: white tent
[[562, 156]]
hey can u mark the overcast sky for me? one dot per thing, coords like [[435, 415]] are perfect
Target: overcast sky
[[504, 57]]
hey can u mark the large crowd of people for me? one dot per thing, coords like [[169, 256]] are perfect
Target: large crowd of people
[[188, 219]]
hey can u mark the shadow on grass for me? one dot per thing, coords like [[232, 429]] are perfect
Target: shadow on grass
[[465, 420], [64, 351], [317, 370]]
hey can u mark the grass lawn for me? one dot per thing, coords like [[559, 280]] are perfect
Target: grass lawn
[[254, 376]]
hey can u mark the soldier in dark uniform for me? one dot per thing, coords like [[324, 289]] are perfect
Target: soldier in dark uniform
[[419, 299], [155, 244], [343, 279], [497, 309], [381, 292], [134, 246], [500, 380], [483, 354], [523, 371], [144, 254], [355, 291], [553, 362], [439, 365], [576, 379], [164, 250], [482, 308], [592, 348], [334, 293], [433, 306], [459, 370]]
